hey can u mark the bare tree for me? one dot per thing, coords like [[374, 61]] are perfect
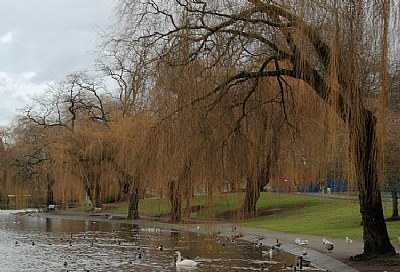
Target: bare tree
[[79, 96]]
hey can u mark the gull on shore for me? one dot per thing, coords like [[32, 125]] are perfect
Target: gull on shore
[[325, 241], [301, 242]]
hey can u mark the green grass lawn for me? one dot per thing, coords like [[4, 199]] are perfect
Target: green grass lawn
[[316, 216], [288, 212]]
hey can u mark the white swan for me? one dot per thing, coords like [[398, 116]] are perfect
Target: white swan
[[180, 262]]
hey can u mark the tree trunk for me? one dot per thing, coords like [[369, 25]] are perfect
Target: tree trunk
[[267, 156], [134, 196], [364, 142], [395, 197], [253, 189], [176, 189], [124, 187], [175, 196], [249, 207], [50, 194], [133, 207]]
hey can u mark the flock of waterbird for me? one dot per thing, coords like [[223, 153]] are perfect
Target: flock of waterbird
[[138, 253], [180, 261], [186, 262]]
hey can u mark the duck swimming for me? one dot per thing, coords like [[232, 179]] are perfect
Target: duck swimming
[[180, 262]]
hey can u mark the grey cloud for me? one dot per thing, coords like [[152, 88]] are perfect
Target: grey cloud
[[50, 38]]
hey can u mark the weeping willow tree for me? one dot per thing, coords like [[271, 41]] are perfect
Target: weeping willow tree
[[182, 135], [128, 153], [324, 44], [23, 162], [68, 110]]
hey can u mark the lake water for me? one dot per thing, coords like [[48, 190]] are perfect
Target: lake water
[[33, 243]]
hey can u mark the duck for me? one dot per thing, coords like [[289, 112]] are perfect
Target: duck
[[180, 262], [348, 240], [301, 263], [256, 242]]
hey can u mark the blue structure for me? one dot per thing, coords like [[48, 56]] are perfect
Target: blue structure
[[336, 185]]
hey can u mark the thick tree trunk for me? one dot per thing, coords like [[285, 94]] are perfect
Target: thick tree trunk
[[395, 198], [249, 207], [175, 196], [376, 238], [134, 196], [253, 189], [133, 207], [364, 142], [176, 189], [124, 188]]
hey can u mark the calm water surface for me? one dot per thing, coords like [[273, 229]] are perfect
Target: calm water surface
[[32, 243]]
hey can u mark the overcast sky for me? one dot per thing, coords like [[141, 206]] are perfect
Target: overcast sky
[[42, 41]]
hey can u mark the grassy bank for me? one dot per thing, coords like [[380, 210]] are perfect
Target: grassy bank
[[281, 212]]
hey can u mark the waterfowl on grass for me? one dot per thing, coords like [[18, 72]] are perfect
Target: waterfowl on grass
[[180, 262]]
